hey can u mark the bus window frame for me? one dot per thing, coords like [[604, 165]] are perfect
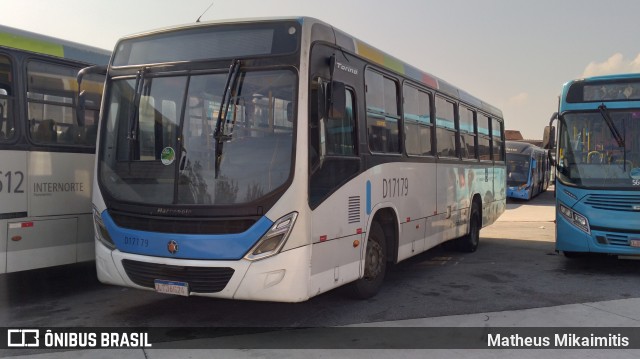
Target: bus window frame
[[398, 117], [430, 124], [500, 137], [473, 133], [10, 97], [455, 130], [73, 105]]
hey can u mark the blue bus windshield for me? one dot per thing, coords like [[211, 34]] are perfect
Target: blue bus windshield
[[589, 155], [517, 169]]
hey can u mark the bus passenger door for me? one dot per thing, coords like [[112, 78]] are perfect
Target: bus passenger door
[[335, 197]]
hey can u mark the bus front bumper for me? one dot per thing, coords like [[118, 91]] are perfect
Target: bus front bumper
[[571, 239], [269, 279]]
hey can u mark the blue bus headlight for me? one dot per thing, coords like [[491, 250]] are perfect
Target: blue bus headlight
[[575, 218], [272, 242], [101, 231]]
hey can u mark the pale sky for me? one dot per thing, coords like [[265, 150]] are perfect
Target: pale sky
[[513, 54]]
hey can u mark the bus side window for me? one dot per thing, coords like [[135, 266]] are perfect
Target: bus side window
[[7, 125], [51, 93], [484, 140], [340, 132], [445, 128], [383, 116], [498, 143], [417, 121]]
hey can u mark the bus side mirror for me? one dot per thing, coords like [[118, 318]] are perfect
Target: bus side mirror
[[534, 164], [96, 69], [320, 105], [549, 136], [337, 100], [80, 109], [3, 92]]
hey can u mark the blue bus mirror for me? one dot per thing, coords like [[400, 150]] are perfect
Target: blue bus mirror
[[534, 164]]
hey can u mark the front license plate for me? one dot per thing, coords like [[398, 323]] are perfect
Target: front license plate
[[171, 287], [635, 242]]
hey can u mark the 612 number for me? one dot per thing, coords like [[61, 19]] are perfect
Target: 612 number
[[8, 179]]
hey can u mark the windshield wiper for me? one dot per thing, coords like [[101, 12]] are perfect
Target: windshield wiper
[[132, 134], [604, 111], [219, 134]]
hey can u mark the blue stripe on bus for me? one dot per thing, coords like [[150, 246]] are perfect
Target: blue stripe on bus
[[190, 246], [368, 197]]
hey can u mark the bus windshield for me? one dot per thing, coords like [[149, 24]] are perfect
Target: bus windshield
[[158, 145], [589, 154], [518, 169]]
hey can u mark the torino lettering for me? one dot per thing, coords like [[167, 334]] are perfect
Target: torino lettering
[[50, 187]]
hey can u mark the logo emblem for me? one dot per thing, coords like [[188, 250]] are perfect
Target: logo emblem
[[167, 156], [172, 247]]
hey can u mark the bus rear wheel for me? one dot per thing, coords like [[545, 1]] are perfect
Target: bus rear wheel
[[470, 242], [375, 265]]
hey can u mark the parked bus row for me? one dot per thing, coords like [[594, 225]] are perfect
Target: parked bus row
[[278, 159]]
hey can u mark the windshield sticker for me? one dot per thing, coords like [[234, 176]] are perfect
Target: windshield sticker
[[167, 156], [635, 174]]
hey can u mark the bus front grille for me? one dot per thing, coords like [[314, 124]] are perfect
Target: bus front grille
[[613, 202], [200, 279], [182, 225]]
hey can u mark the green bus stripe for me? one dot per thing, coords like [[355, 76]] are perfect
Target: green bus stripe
[[29, 44]]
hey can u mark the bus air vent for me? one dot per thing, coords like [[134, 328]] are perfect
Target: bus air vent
[[354, 209], [613, 202], [617, 239]]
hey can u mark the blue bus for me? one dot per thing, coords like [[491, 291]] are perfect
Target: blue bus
[[598, 166], [528, 170]]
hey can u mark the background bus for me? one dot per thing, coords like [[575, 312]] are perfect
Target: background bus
[[278, 159], [528, 170], [598, 166], [46, 156]]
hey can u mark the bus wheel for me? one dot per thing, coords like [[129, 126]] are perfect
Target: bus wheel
[[469, 243], [375, 265]]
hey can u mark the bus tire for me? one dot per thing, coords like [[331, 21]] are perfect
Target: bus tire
[[375, 265], [469, 243]]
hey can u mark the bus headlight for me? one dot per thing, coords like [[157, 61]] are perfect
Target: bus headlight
[[272, 242], [574, 217], [101, 231]]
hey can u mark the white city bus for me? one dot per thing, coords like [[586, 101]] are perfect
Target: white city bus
[[277, 159], [46, 154]]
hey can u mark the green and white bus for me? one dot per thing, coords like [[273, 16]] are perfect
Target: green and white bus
[[277, 159], [46, 154]]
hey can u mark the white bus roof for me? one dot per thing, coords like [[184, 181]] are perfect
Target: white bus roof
[[359, 47]]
